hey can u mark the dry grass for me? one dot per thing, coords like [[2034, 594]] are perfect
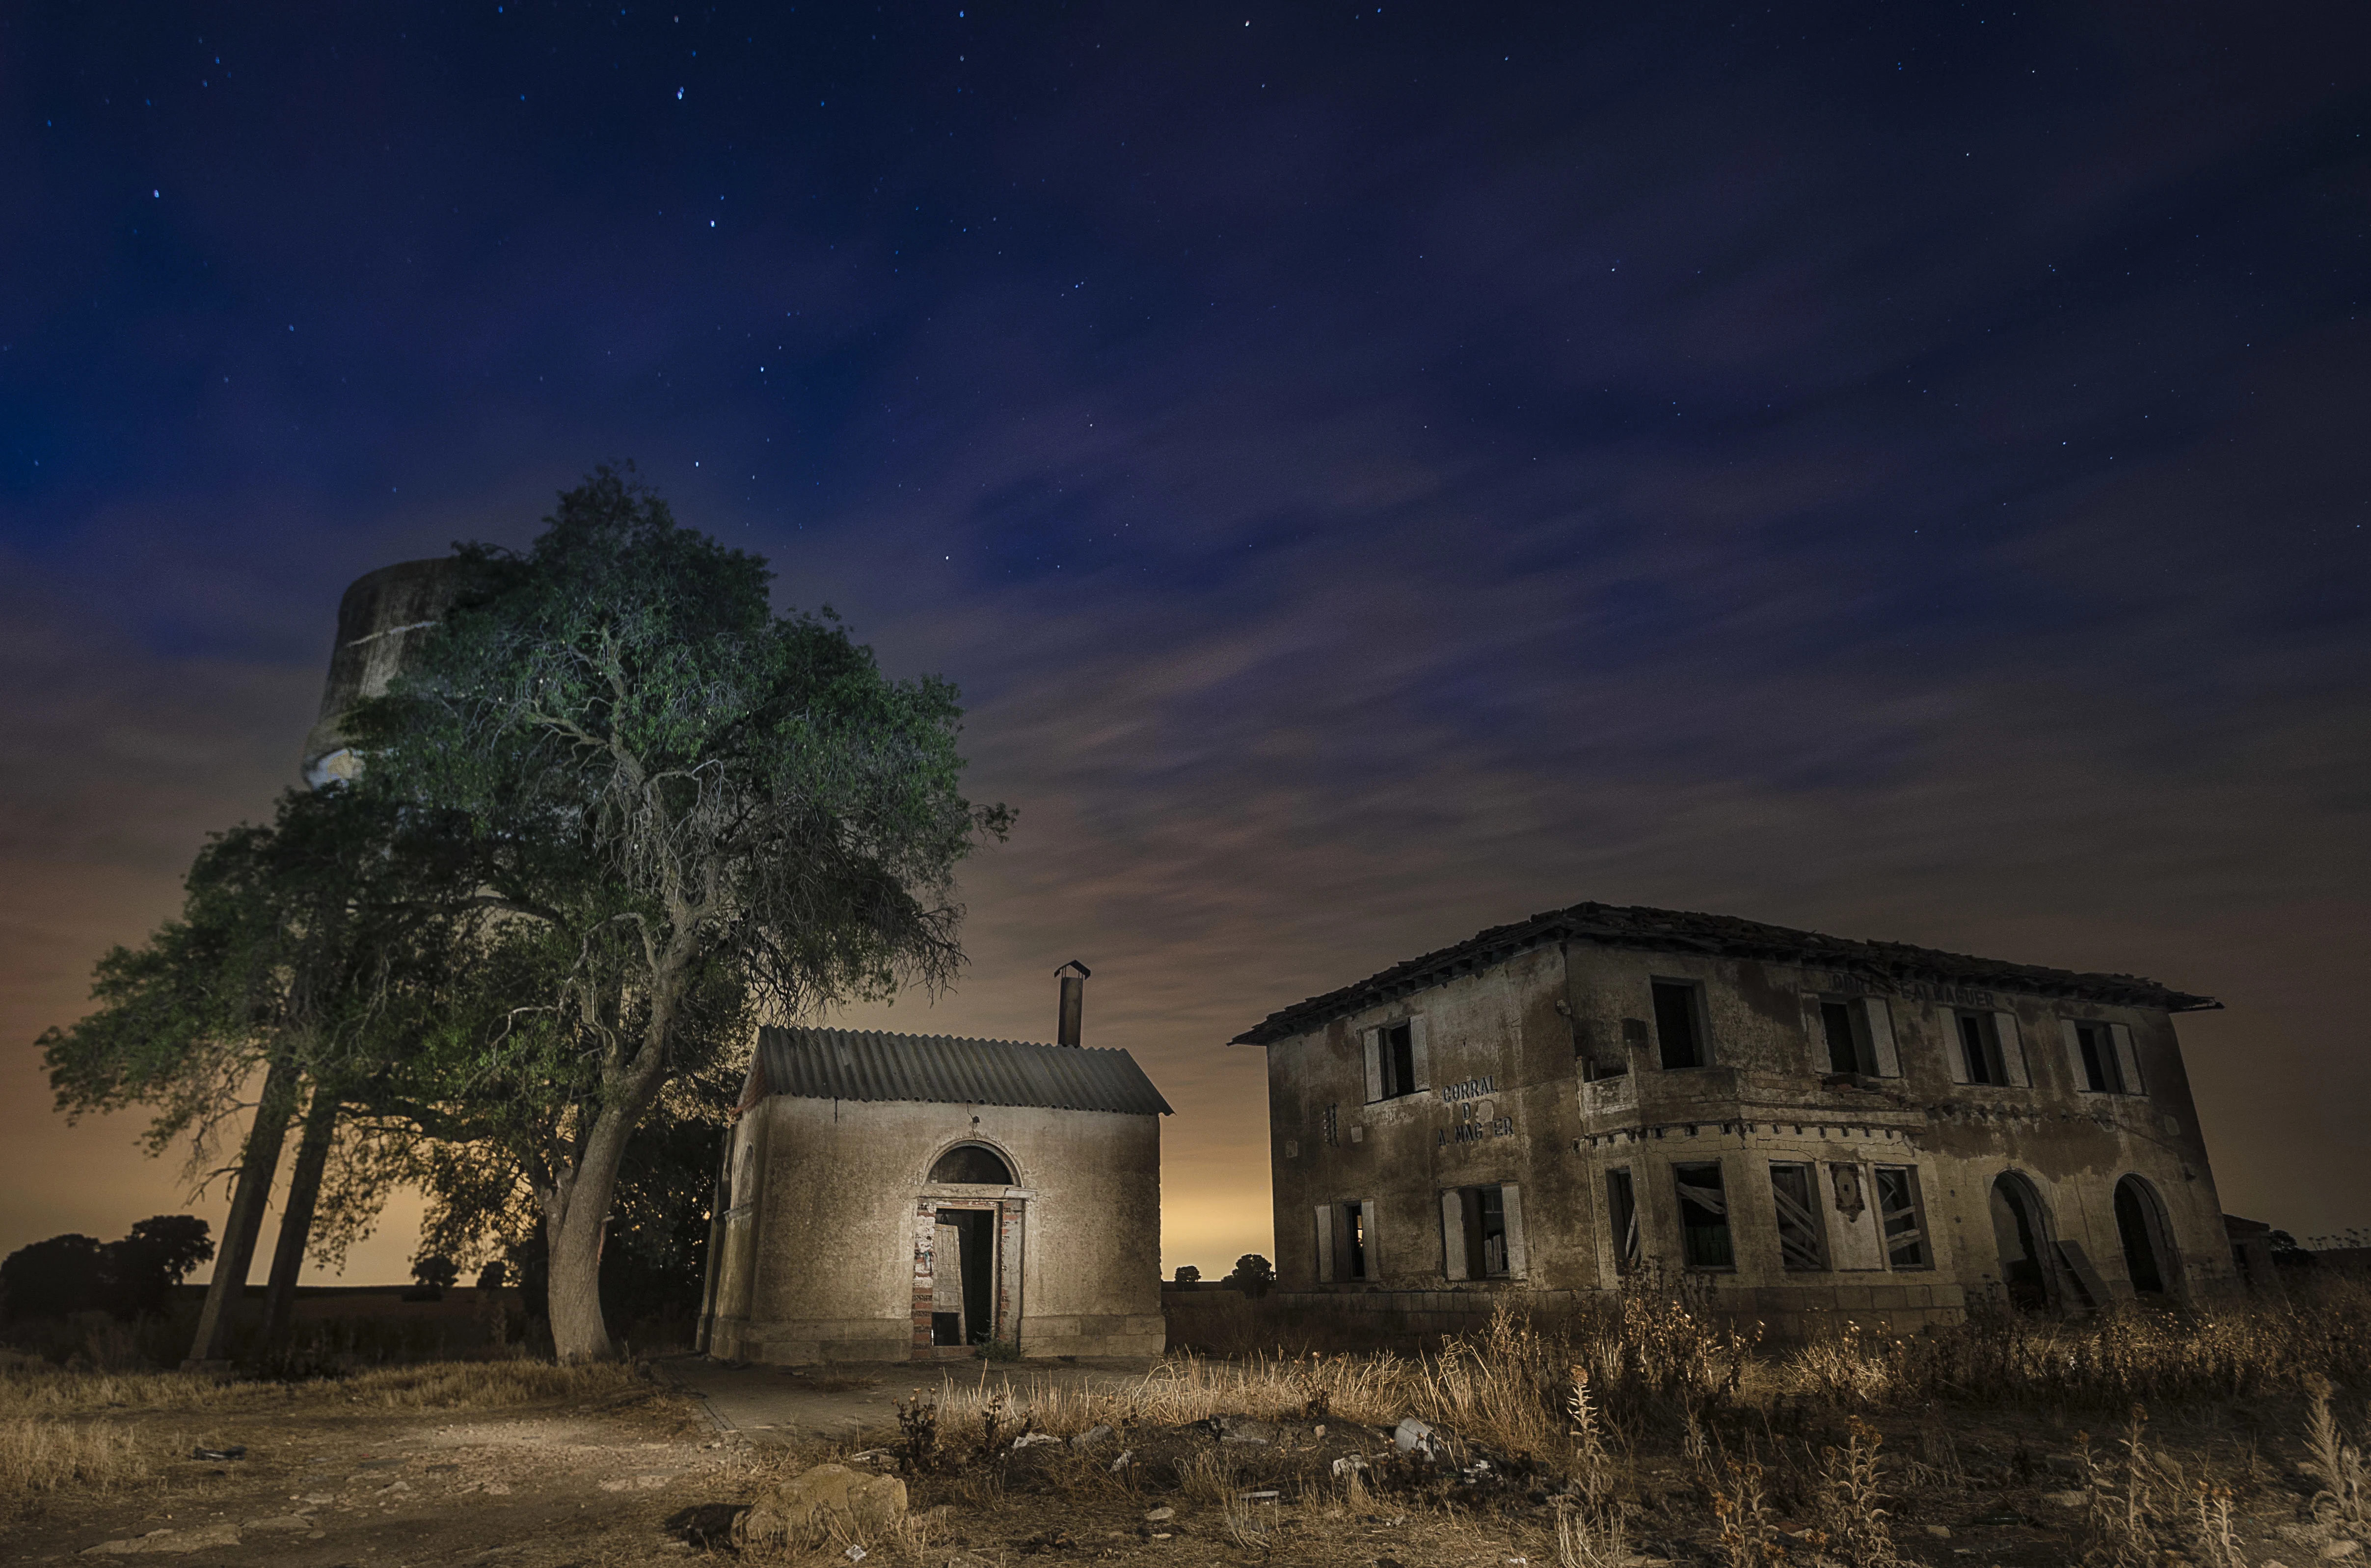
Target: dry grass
[[38, 1455], [40, 1390]]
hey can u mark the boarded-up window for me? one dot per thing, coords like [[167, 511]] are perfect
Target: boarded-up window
[[1621, 1214], [1802, 1242], [1903, 1218], [1679, 1024], [1703, 1216]]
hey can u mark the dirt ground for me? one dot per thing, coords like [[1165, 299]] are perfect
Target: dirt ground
[[657, 1473]]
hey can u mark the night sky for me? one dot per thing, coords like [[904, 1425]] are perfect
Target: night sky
[[1898, 469]]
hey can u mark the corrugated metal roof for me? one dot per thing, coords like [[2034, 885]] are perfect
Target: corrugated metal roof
[[1678, 930], [848, 1063]]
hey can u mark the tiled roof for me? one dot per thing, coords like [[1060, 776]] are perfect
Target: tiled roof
[[1673, 930], [847, 1064]]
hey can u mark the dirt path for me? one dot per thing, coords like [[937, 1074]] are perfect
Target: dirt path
[[531, 1487]]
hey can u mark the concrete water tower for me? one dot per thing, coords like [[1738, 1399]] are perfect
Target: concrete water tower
[[379, 620]]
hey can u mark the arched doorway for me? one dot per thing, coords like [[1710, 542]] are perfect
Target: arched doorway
[[974, 1231], [2151, 1260], [2021, 1230]]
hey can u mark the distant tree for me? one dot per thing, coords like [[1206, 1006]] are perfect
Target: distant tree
[[435, 1271], [493, 1275], [676, 806], [2288, 1254], [143, 1268], [1253, 1269], [1188, 1274], [56, 1278]]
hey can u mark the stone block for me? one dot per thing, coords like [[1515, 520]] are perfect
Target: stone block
[[1888, 1295], [804, 1510]]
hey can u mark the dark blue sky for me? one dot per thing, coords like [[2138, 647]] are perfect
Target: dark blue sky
[[1378, 472]]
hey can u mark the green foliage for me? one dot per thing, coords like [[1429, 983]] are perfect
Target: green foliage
[[677, 809]]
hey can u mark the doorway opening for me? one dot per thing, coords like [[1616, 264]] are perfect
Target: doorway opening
[[963, 1301], [2021, 1229], [2150, 1260]]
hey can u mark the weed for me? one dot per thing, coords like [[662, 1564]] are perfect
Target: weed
[[917, 1434], [2335, 1462]]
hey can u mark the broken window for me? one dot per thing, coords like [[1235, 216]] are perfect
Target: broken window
[[1395, 1059], [1802, 1243], [1984, 1047], [1482, 1232], [1843, 1051], [2102, 1057], [1903, 1216], [1703, 1216], [1346, 1241], [1856, 1037], [972, 1165], [1622, 1213], [1678, 1023]]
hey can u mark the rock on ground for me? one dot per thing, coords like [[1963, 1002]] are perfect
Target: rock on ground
[[803, 1510]]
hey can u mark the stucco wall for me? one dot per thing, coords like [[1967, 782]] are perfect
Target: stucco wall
[[1500, 1039], [818, 1260]]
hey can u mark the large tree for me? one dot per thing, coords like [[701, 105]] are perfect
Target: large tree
[[307, 953], [679, 807]]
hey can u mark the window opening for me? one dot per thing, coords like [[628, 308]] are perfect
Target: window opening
[[1802, 1245], [1484, 1213], [971, 1165], [962, 1261], [1397, 1044], [1703, 1216], [1354, 1241], [1903, 1218], [2101, 1072], [1621, 1211], [1677, 1027], [1980, 1048], [1844, 1050]]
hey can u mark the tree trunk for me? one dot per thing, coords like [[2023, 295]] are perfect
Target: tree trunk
[[296, 1220], [576, 1215], [262, 1156]]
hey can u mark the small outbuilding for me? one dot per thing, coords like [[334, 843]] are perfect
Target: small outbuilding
[[910, 1197]]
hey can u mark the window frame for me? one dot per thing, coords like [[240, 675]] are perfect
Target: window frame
[[1622, 1219], [1923, 1235], [1813, 1247], [1464, 1241], [2112, 1049], [1384, 1065], [1699, 1022], [1728, 1227]]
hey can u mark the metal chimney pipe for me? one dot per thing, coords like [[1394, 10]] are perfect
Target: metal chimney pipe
[[1074, 1002]]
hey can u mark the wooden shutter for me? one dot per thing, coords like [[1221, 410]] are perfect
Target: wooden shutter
[[1419, 1057], [2070, 1032], [1879, 1020], [1955, 1049], [1370, 1254], [1375, 1041], [2012, 1049], [2127, 1061], [1452, 1234], [1510, 1200], [1324, 1243]]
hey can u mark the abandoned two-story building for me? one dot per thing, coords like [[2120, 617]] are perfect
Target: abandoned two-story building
[[1816, 1129]]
